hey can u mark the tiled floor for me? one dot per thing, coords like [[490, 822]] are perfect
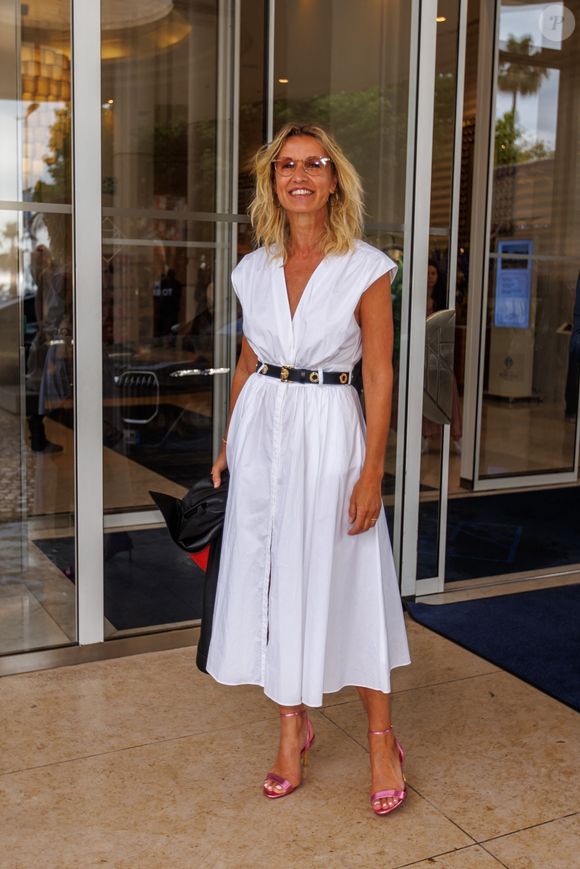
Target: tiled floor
[[144, 762]]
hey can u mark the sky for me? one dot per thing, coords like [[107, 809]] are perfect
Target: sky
[[537, 114]]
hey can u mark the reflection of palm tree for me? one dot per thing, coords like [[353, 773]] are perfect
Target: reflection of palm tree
[[515, 76]]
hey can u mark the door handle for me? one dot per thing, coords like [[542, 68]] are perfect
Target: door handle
[[205, 372], [438, 373]]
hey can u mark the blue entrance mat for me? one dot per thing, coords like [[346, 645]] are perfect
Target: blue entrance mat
[[534, 635], [509, 532]]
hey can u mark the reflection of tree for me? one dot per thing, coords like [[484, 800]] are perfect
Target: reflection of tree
[[443, 112], [173, 174], [510, 147], [58, 161], [354, 119], [371, 127], [516, 76]]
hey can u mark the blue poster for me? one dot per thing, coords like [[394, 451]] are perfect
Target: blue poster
[[513, 288]]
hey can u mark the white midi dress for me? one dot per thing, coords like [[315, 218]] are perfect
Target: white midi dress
[[302, 608]]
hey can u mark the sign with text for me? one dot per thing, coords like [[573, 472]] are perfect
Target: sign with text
[[513, 288]]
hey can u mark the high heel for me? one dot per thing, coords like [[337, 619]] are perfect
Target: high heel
[[399, 795], [284, 784]]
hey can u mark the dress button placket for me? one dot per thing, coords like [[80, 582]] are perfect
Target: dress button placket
[[274, 472]]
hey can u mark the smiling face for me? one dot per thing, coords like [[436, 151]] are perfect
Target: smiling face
[[301, 193]]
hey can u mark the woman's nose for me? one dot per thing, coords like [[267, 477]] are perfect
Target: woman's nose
[[299, 171]]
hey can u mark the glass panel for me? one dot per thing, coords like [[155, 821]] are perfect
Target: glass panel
[[439, 296], [345, 66], [252, 129], [165, 285], [530, 396], [37, 575]]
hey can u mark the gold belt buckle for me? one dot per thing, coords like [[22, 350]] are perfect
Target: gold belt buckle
[[285, 373]]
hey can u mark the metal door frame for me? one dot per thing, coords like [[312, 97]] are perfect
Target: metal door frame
[[435, 584], [87, 211]]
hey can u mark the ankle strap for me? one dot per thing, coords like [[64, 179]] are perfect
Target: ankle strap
[[292, 714], [380, 732]]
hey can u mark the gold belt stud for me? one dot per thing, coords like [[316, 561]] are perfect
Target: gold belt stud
[[314, 378], [264, 368], [343, 378], [284, 374]]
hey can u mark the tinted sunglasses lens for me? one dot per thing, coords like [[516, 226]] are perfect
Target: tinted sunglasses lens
[[314, 165], [285, 167]]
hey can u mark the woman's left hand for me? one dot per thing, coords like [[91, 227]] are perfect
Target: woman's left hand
[[365, 504]]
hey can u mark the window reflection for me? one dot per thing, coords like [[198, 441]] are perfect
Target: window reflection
[[533, 253], [160, 241], [345, 66], [37, 590]]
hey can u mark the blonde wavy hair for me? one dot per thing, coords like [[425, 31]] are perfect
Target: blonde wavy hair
[[345, 206]]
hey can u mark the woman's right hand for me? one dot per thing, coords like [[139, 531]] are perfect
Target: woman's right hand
[[218, 467]]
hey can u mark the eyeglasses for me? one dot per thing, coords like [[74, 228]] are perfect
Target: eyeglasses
[[312, 165]]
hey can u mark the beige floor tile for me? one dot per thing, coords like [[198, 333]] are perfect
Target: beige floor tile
[[473, 857], [552, 846], [485, 751], [435, 660], [198, 802], [71, 712], [26, 624]]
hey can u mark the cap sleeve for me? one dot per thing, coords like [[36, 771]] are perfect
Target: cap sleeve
[[379, 264], [239, 279]]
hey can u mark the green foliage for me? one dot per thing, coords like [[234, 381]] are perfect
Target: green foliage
[[358, 119], [510, 147], [172, 152], [58, 160]]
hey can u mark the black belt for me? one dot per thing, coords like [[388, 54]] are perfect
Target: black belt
[[286, 373]]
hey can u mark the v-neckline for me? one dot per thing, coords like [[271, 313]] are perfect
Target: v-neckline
[[291, 316]]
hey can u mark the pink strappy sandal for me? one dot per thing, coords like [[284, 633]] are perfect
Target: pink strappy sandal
[[399, 795], [284, 784]]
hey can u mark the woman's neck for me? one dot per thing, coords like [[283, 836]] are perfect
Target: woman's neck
[[305, 234]]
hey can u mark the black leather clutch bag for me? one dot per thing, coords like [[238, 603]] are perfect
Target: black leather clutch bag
[[196, 519]]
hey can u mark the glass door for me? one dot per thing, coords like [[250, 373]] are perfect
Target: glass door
[[37, 408], [526, 431], [346, 67], [441, 425], [188, 95], [519, 459], [167, 327]]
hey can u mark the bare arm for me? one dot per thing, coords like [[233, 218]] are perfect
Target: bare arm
[[245, 367], [376, 321]]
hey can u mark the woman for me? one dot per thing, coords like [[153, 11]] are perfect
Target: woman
[[307, 597]]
